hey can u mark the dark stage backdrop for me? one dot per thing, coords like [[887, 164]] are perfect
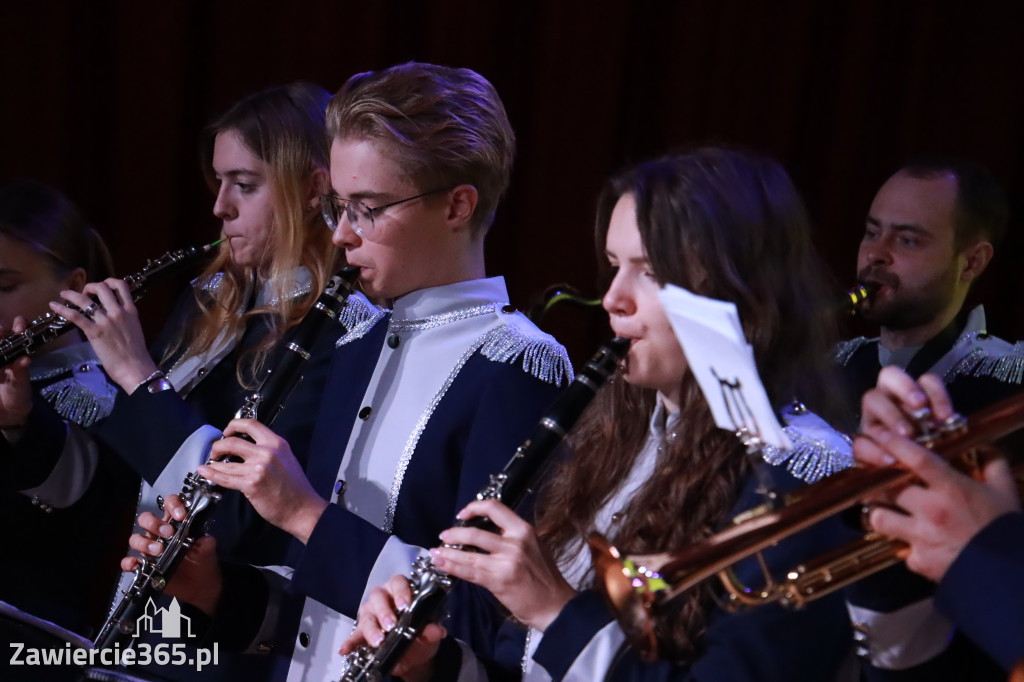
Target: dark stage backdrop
[[105, 101]]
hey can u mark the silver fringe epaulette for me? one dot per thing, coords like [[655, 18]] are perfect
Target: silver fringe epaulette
[[844, 350], [990, 356], [358, 316], [543, 357], [818, 450], [76, 403]]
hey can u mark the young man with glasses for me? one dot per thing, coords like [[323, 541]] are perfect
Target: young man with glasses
[[425, 400]]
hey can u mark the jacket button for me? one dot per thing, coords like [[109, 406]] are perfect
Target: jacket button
[[304, 639], [339, 487], [508, 309], [394, 340], [365, 412]]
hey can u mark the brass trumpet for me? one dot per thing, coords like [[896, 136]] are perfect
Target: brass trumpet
[[640, 587]]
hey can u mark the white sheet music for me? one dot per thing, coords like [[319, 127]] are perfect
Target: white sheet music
[[723, 363]]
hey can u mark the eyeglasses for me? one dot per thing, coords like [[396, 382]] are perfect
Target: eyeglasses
[[360, 216]]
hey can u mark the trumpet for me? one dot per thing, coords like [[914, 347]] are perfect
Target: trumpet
[[50, 325], [639, 588]]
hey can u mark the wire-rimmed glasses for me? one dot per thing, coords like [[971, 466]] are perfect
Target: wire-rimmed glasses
[[360, 216]]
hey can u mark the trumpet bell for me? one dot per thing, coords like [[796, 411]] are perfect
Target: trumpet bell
[[631, 590]]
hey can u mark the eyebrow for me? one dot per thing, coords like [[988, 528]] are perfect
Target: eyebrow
[[636, 260], [236, 172], [914, 228], [363, 196]]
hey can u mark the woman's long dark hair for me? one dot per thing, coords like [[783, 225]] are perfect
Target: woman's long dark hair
[[730, 226], [46, 220]]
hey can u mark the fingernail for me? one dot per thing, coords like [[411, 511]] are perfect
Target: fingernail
[[376, 638], [461, 514], [178, 513], [905, 429], [402, 603], [918, 398], [389, 624], [444, 536], [435, 554], [155, 547], [167, 530]]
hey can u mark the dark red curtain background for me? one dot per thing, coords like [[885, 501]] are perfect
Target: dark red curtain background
[[105, 101]]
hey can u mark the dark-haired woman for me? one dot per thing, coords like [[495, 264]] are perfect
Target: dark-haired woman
[[651, 470], [49, 462]]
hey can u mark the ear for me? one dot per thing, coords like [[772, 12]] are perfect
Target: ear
[[76, 279], [977, 259], [319, 183], [462, 204]]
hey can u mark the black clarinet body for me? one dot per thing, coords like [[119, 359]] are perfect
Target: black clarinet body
[[50, 325], [429, 585], [200, 495]]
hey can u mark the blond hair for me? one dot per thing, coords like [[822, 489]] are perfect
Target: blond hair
[[284, 128]]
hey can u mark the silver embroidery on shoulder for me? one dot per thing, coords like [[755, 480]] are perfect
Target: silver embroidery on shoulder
[[845, 350], [811, 459], [76, 403], [359, 316], [432, 321], [1006, 365], [543, 357]]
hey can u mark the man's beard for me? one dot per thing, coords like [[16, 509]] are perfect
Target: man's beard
[[901, 309]]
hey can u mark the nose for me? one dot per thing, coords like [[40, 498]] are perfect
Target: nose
[[876, 251], [223, 207], [344, 237], [618, 300]]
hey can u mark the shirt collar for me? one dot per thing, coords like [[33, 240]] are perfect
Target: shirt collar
[[449, 298], [661, 420]]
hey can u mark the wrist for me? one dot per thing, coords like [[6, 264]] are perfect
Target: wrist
[[154, 381], [302, 523], [542, 620]]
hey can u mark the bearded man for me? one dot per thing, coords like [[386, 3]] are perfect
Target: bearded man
[[931, 231]]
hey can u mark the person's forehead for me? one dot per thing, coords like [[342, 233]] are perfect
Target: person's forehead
[[365, 167], [926, 202]]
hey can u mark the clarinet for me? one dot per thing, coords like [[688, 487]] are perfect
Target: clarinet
[[429, 585], [200, 495], [50, 325]]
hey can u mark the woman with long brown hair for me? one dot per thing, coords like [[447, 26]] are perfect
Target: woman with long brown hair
[[650, 469], [46, 404]]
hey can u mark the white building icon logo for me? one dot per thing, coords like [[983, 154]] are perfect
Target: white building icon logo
[[166, 622]]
